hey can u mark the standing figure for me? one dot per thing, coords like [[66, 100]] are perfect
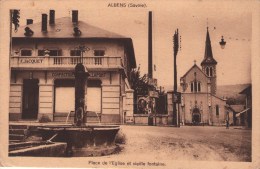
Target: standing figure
[[227, 124]]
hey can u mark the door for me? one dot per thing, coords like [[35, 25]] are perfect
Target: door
[[196, 118], [94, 99], [64, 99], [30, 98]]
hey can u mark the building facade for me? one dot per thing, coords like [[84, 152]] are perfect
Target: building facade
[[199, 103], [42, 62]]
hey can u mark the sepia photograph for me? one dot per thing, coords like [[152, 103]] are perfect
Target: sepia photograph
[[129, 84]]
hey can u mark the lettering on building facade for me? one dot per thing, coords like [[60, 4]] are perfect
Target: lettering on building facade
[[32, 60], [72, 75]]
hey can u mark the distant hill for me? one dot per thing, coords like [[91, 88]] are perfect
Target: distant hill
[[231, 90]]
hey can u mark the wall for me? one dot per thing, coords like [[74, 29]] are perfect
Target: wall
[[218, 120], [189, 105], [112, 48], [201, 77], [110, 93]]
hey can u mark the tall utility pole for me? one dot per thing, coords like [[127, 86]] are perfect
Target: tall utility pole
[[176, 119], [150, 46]]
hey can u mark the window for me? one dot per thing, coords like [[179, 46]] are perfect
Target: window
[[99, 52], [210, 71], [75, 52], [50, 52], [198, 87], [207, 71], [98, 61], [217, 110], [195, 86], [26, 52]]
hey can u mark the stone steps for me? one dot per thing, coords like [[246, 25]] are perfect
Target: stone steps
[[16, 137], [17, 132]]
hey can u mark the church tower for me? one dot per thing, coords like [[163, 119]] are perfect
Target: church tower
[[209, 64]]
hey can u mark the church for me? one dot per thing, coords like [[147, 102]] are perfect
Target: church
[[199, 103]]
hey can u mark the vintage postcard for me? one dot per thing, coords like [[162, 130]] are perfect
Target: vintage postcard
[[129, 84]]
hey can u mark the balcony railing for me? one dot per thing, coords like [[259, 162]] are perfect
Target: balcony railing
[[63, 61]]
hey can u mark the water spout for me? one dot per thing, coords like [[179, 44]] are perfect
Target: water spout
[[99, 121], [50, 140], [67, 119]]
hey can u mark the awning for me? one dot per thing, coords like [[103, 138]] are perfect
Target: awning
[[238, 114]]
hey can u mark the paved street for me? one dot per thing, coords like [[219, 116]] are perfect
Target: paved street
[[186, 143]]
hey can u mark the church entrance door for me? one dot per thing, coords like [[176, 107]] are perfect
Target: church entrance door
[[196, 117]]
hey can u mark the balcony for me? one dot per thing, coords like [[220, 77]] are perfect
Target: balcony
[[28, 62]]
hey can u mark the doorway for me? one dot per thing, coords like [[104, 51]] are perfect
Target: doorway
[[30, 98], [196, 117]]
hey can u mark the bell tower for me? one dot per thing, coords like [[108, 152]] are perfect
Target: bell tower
[[209, 64]]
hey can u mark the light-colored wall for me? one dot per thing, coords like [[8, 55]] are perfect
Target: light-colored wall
[[189, 105], [199, 77], [218, 120], [112, 48], [110, 92]]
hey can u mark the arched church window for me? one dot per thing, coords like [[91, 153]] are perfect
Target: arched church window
[[207, 71], [217, 110], [195, 86], [210, 71]]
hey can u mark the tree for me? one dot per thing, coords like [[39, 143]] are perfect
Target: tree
[[140, 85]]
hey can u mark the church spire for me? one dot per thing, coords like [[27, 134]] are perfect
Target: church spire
[[208, 56]]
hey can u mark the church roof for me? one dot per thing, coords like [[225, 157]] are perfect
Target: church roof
[[195, 65], [208, 55]]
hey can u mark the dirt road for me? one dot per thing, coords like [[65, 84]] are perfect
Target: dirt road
[[186, 143]]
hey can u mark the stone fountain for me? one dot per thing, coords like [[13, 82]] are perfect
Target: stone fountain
[[82, 139]]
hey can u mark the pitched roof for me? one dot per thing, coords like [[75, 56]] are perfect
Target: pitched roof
[[247, 90], [63, 28], [195, 65], [237, 108], [208, 55]]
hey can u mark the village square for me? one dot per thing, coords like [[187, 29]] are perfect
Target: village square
[[81, 89]]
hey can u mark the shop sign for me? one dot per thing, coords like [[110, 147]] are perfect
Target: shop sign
[[176, 97], [71, 74], [31, 60], [97, 74], [63, 74]]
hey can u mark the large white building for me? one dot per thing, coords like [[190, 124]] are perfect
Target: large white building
[[42, 62]]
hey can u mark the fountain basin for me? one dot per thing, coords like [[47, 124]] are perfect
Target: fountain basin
[[91, 140], [37, 148]]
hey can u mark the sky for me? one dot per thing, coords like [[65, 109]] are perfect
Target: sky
[[232, 19]]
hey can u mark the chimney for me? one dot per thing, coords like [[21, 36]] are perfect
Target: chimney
[[150, 46], [52, 17], [75, 16], [29, 21], [44, 22]]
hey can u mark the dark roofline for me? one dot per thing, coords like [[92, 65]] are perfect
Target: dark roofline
[[247, 90], [195, 65], [218, 97]]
